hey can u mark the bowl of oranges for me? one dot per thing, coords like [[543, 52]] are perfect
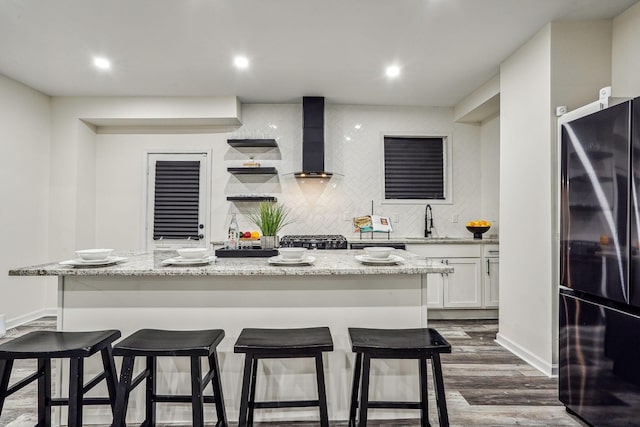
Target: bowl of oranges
[[478, 228]]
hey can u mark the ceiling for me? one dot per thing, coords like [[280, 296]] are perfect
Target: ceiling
[[333, 48]]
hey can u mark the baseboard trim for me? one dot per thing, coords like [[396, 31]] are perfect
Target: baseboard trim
[[30, 317], [543, 366], [462, 313]]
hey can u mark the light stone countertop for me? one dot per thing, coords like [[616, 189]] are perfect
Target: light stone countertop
[[414, 240], [327, 262], [428, 240]]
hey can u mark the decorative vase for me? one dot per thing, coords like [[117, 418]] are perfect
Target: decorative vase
[[268, 242]]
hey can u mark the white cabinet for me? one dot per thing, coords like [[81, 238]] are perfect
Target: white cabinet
[[490, 275], [462, 288], [435, 288], [473, 284]]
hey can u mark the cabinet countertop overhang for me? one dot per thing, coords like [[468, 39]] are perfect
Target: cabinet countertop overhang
[[327, 263]]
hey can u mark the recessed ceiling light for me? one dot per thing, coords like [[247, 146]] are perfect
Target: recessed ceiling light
[[241, 62], [102, 63], [358, 126], [393, 71]]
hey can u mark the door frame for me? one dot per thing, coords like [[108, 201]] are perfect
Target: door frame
[[205, 156]]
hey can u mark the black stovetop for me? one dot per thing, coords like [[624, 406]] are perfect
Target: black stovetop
[[313, 241]]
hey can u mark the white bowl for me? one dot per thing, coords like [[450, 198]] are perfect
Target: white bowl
[[379, 252], [292, 253], [192, 253], [94, 254]]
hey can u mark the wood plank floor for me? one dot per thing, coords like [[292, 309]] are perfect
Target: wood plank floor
[[485, 384]]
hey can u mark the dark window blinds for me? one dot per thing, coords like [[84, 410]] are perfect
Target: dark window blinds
[[413, 168], [176, 203]]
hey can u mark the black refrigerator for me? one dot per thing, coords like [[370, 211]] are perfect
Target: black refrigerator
[[599, 302]]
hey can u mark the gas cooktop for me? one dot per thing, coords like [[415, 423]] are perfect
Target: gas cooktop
[[320, 241]]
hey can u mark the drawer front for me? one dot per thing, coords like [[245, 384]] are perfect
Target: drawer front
[[445, 251], [491, 251]]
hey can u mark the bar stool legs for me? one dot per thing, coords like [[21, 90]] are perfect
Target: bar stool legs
[[424, 396], [42, 346], [322, 394], [153, 343], [122, 397], [197, 398], [413, 344], [248, 396], [216, 384], [364, 392], [360, 388], [357, 369], [281, 344], [248, 384], [439, 385]]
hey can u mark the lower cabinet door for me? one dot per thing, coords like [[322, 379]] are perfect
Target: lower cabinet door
[[491, 284], [434, 290], [462, 288]]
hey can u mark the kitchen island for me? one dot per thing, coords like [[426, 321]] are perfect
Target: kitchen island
[[233, 293]]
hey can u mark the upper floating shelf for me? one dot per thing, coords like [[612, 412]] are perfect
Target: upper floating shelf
[[252, 142], [252, 199], [253, 171]]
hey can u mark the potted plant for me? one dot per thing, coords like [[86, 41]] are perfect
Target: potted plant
[[270, 218]]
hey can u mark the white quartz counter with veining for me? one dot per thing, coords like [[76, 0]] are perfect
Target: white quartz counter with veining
[[327, 263]]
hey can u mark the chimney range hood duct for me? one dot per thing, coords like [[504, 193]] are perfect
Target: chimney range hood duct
[[313, 138]]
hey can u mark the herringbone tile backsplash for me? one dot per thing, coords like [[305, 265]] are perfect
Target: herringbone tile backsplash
[[354, 153]]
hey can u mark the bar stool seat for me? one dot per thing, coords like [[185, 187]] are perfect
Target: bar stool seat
[[154, 343], [420, 344], [75, 346], [259, 344]]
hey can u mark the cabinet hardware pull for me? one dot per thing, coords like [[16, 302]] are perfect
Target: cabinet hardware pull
[[488, 267]]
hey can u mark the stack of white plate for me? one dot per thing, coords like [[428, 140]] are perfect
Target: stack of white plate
[[291, 256], [94, 258], [379, 255], [190, 256]]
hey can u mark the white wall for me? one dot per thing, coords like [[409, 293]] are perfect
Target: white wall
[[566, 63], [525, 205], [121, 181], [490, 176], [625, 54], [73, 197], [580, 61], [24, 169], [354, 155]]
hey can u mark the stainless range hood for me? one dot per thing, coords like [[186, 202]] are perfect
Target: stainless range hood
[[313, 138]]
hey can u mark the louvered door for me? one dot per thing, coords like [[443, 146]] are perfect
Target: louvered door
[[177, 186]]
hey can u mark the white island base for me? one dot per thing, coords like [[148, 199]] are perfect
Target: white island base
[[235, 302]]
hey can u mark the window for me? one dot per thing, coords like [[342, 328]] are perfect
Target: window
[[414, 168], [177, 186]]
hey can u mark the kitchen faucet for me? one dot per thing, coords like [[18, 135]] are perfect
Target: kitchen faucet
[[428, 221]]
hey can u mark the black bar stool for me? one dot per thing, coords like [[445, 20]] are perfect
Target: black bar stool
[[276, 344], [420, 344], [154, 343], [75, 346]]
